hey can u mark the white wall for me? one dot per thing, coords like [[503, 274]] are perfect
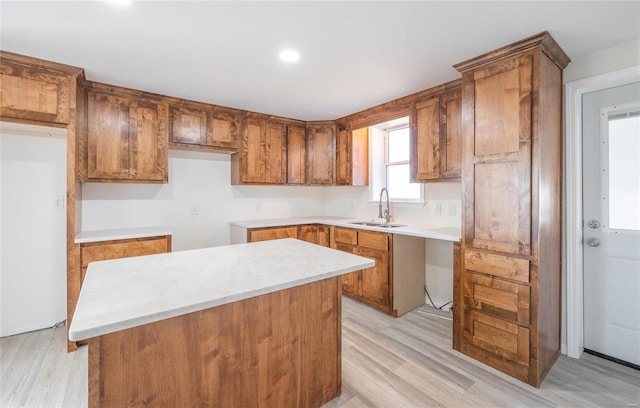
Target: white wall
[[200, 180], [621, 56], [33, 292]]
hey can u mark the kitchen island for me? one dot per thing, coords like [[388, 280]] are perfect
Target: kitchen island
[[242, 325]]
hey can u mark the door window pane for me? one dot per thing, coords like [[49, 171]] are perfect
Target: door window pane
[[624, 172], [398, 180]]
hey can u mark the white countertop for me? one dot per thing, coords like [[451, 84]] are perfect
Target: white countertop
[[129, 292], [121, 233], [441, 233]]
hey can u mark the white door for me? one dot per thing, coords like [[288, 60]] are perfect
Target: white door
[[611, 226]]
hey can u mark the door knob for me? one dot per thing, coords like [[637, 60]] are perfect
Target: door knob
[[593, 242]]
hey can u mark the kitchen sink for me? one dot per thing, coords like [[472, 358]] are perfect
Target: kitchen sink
[[376, 224]]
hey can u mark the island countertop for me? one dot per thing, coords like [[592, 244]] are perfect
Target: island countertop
[[124, 293]]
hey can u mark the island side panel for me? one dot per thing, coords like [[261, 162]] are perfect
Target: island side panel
[[278, 349]]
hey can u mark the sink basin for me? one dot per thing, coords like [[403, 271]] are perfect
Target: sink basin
[[376, 224]]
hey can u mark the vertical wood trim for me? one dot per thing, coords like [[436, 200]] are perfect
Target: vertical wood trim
[[458, 320]]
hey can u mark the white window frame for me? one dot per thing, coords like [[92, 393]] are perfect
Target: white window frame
[[379, 163]]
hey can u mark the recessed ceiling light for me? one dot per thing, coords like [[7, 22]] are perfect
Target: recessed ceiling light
[[289, 55], [121, 2]]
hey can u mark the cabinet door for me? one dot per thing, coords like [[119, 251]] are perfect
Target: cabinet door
[[324, 235], [451, 134], [108, 129], [343, 157], [376, 280], [351, 282], [320, 153], [252, 161], [296, 155], [148, 141], [188, 126], [308, 233], [425, 140], [275, 153], [34, 95], [221, 130], [497, 184], [360, 157], [264, 234]]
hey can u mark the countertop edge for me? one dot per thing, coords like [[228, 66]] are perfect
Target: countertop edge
[[84, 237]]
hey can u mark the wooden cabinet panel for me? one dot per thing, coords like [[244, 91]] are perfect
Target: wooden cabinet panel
[[346, 236], [497, 265], [222, 130], [33, 94], [296, 155], [501, 338], [436, 137], [376, 280], [262, 157], [497, 297], [320, 153], [352, 157], [125, 139], [351, 282], [264, 234], [308, 233], [204, 126], [425, 162], [373, 240], [324, 235], [188, 126]]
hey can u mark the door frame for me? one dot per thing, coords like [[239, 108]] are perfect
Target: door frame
[[573, 198]]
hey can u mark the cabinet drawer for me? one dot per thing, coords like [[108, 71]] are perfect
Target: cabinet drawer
[[497, 265], [122, 249], [346, 236], [266, 234], [504, 339], [373, 240], [497, 297]]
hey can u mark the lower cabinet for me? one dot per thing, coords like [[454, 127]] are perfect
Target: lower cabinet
[[395, 285], [314, 233], [106, 250]]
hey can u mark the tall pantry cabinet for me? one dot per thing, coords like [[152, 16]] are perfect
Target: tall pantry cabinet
[[508, 293]]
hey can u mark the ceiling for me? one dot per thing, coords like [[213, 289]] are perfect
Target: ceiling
[[355, 55]]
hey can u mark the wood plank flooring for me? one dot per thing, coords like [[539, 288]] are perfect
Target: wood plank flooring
[[404, 362]]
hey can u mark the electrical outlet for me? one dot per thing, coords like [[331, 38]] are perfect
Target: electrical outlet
[[58, 202], [195, 210], [438, 209], [452, 210]]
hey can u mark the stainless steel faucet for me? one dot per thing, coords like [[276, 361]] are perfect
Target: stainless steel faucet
[[386, 213]]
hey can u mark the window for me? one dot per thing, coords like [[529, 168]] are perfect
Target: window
[[389, 167]]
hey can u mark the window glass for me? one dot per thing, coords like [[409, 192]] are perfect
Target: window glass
[[398, 145], [398, 183], [624, 172]]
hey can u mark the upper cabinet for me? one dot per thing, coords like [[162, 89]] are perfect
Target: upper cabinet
[[262, 158], [296, 155], [320, 152], [124, 138], [204, 126], [352, 157], [35, 90], [436, 136]]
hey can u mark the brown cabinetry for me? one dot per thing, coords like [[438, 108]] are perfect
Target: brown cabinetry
[[125, 138], [314, 233], [262, 157], [204, 126], [296, 155], [352, 157], [508, 294], [106, 250], [320, 153], [436, 137], [31, 93]]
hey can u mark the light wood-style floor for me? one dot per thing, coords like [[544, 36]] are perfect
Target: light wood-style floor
[[404, 362]]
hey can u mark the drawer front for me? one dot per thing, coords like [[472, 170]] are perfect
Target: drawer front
[[504, 339], [273, 233], [346, 236], [373, 240], [497, 265], [123, 249], [497, 297]]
